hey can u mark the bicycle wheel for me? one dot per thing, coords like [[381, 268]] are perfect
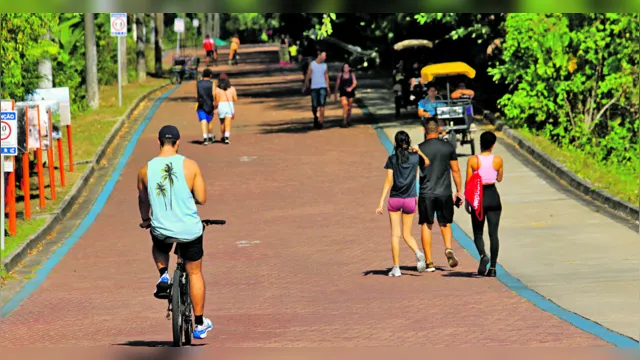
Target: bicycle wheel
[[176, 309], [188, 312]]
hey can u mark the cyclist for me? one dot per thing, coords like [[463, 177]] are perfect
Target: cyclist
[[170, 186]]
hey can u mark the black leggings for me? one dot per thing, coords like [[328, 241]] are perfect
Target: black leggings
[[492, 208]]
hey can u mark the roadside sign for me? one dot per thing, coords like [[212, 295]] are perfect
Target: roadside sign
[[178, 25], [196, 22], [9, 136], [118, 24]]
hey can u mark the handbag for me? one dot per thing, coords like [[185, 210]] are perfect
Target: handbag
[[473, 192]]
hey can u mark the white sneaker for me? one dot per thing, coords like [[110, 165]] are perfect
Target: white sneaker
[[421, 263], [395, 271], [200, 331]]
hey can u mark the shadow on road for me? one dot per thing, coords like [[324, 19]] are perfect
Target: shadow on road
[[462, 274]]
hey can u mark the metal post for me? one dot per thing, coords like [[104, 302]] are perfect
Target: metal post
[[119, 71], [178, 44], [2, 202]]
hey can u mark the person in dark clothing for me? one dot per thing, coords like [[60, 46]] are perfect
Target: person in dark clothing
[[345, 86], [490, 168], [205, 108], [435, 191], [402, 178]]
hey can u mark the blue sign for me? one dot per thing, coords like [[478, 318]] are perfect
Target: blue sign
[[9, 136]]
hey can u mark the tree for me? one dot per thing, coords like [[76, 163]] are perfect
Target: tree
[[140, 53], [23, 45], [569, 72], [91, 54], [45, 68], [159, 19]]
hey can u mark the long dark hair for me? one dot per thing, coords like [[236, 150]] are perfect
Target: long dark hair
[[401, 150], [223, 82]]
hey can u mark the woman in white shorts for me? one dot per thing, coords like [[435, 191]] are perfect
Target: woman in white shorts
[[225, 98]]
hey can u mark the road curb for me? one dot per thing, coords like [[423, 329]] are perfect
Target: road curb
[[576, 182], [12, 260]]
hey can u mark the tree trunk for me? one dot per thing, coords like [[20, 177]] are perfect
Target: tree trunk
[[152, 29], [210, 25], [45, 69], [91, 59], [140, 55], [160, 29], [203, 25], [216, 25], [123, 58], [158, 44]]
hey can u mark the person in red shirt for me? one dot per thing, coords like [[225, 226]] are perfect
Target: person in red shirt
[[210, 50]]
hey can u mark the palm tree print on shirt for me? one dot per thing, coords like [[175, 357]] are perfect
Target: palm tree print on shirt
[[169, 175], [161, 190]]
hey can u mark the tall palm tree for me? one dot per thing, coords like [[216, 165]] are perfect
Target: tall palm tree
[[169, 175], [161, 190], [140, 46]]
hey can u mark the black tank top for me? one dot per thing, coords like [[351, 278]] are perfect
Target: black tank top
[[205, 96], [345, 82]]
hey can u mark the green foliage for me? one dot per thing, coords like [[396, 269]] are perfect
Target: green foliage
[[21, 49], [69, 63], [575, 77]]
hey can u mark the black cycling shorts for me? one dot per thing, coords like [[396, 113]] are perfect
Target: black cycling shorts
[[440, 205], [189, 251]]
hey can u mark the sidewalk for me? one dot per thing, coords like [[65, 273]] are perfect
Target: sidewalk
[[550, 239], [302, 261]]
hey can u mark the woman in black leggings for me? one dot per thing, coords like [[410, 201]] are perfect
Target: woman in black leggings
[[490, 168]]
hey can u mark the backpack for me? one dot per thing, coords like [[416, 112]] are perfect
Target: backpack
[[473, 192]]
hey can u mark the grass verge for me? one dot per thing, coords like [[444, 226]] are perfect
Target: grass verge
[[89, 129], [618, 180]]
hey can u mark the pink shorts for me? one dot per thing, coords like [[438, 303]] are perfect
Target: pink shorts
[[407, 206]]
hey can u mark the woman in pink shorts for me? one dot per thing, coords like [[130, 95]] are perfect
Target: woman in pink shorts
[[402, 177]]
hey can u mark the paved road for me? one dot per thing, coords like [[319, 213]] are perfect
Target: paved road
[[301, 262]]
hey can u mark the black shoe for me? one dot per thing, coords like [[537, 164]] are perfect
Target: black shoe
[[491, 272], [206, 142], [482, 268], [226, 140]]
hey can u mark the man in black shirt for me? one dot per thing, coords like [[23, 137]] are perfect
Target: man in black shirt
[[435, 190], [205, 108]]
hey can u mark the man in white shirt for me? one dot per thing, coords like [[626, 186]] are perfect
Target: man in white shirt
[[318, 74]]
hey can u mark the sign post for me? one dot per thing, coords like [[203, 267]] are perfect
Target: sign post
[[178, 27], [119, 29], [9, 140]]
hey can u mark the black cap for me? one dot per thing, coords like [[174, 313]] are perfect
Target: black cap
[[169, 132]]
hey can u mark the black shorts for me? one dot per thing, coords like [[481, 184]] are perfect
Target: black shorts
[[348, 94], [189, 251], [442, 205], [210, 53]]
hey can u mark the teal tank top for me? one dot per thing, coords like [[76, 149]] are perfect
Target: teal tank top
[[173, 209]]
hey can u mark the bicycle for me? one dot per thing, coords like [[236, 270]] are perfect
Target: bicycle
[[180, 309]]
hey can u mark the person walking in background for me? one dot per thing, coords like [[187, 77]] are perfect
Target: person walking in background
[[318, 74], [284, 50], [206, 107], [225, 98], [435, 191], [345, 86], [483, 171], [233, 50], [402, 176], [210, 51]]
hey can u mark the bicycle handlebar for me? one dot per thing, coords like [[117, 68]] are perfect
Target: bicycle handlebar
[[205, 222]]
